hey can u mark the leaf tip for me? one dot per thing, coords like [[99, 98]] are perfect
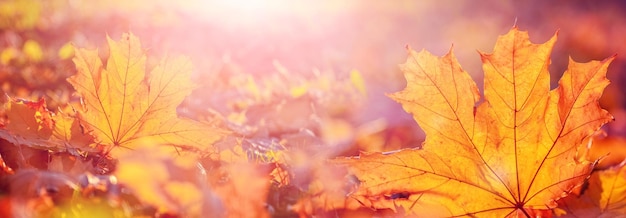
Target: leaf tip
[[610, 58]]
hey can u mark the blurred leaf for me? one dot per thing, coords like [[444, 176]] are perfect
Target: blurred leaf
[[7, 55], [31, 124], [33, 51], [358, 82], [298, 91], [243, 189], [611, 150], [172, 185], [66, 51], [19, 14], [604, 196]]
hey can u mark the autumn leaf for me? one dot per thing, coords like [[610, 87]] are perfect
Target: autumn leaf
[[124, 107], [30, 123], [512, 155], [20, 14], [610, 149], [171, 185], [242, 188], [605, 195]]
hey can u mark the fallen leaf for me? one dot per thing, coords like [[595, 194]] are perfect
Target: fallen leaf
[[513, 155], [31, 124], [172, 185], [7, 55], [35, 193], [33, 51], [327, 191], [610, 149], [605, 195], [20, 14], [66, 51], [243, 189], [70, 165], [124, 107], [358, 82]]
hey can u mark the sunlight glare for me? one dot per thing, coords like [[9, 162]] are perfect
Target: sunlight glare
[[242, 12]]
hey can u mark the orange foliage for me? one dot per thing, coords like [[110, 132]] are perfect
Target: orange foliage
[[126, 108], [611, 150], [515, 154], [31, 124], [255, 128]]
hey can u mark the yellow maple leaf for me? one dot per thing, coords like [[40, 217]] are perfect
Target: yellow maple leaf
[[513, 155], [124, 107]]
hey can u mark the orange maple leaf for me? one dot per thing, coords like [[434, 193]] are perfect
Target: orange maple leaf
[[605, 196], [514, 154], [30, 123], [124, 107]]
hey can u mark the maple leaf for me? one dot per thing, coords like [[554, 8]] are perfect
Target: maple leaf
[[605, 196], [125, 107], [514, 154], [30, 123]]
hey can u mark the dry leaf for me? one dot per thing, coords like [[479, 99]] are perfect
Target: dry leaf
[[512, 155], [31, 124]]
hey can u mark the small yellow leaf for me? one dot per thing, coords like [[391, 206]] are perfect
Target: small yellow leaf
[[358, 82], [33, 51], [252, 87], [66, 51], [19, 14], [7, 55], [298, 91]]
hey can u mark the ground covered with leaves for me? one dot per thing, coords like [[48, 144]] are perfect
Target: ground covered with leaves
[[283, 109]]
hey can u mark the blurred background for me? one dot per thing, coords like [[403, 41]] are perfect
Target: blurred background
[[251, 55]]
